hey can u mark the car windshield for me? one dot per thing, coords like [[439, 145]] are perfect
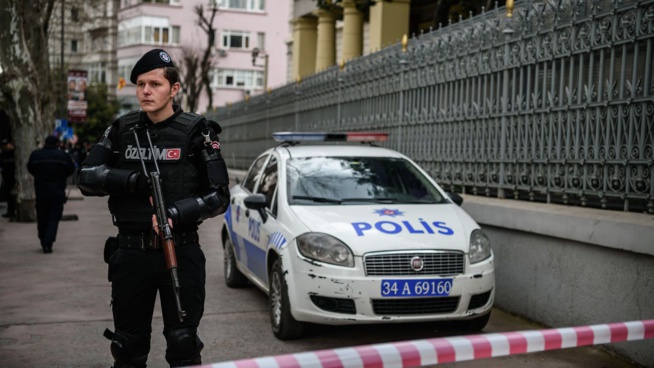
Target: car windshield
[[357, 180]]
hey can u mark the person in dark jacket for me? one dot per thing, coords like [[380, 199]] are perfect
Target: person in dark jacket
[[50, 167], [195, 187]]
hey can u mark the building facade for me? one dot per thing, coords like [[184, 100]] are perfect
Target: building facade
[[241, 26], [83, 37], [328, 32]]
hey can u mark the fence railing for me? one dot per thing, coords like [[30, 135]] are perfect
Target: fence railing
[[555, 104]]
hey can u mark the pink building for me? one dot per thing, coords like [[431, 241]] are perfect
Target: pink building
[[241, 26]]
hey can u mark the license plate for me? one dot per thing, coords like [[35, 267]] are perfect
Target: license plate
[[416, 287]]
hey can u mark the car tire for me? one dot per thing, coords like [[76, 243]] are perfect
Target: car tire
[[233, 277], [284, 326], [475, 324]]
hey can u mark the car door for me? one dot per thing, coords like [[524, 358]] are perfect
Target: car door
[[264, 233], [239, 223]]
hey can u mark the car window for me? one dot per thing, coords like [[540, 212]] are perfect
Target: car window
[[254, 173], [269, 181], [357, 180], [273, 206]]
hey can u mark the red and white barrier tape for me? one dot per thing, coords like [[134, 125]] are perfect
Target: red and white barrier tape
[[418, 353]]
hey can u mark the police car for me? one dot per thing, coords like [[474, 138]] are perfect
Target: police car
[[344, 234]]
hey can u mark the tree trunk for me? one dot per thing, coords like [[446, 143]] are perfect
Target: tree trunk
[[27, 88]]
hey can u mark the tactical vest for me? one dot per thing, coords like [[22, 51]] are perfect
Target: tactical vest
[[179, 177]]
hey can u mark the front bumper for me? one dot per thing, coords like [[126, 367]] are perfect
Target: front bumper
[[327, 294]]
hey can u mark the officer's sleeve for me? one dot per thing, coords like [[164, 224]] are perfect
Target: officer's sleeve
[[98, 177], [214, 180]]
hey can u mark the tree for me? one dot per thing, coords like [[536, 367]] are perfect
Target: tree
[[197, 63], [28, 86], [102, 111], [191, 76]]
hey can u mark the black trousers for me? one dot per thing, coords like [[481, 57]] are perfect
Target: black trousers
[[49, 209], [136, 278]]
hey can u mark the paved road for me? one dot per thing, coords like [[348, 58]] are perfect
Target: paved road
[[54, 307]]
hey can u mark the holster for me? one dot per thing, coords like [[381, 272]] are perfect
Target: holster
[[110, 247]]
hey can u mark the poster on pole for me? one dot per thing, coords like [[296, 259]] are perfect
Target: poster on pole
[[77, 104]]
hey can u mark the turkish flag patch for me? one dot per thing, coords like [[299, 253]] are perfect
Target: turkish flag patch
[[173, 153], [215, 144]]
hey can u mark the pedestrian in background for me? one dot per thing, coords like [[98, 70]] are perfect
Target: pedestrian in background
[[51, 168], [8, 177], [195, 187]]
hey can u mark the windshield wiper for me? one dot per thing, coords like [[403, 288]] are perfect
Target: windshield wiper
[[319, 199], [422, 201], [376, 200]]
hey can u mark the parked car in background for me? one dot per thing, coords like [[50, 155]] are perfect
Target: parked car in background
[[346, 234]]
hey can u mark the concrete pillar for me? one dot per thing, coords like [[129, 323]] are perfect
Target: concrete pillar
[[304, 46], [389, 21], [326, 52], [352, 30]]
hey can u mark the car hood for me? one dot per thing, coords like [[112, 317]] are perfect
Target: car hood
[[391, 227]]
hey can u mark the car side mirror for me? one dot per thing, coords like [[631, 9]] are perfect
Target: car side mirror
[[257, 202], [455, 197]]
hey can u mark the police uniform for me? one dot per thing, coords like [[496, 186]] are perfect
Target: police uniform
[[195, 187]]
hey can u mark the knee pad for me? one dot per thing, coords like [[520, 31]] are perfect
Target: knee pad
[[183, 347], [130, 350]]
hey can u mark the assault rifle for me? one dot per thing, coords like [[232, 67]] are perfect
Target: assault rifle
[[165, 232]]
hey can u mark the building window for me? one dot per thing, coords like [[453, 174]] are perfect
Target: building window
[[149, 35], [97, 73], [125, 67], [247, 5], [245, 79], [236, 39], [74, 14], [175, 37], [261, 41], [73, 46], [129, 36]]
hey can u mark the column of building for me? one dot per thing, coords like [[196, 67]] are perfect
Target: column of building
[[304, 46], [314, 37]]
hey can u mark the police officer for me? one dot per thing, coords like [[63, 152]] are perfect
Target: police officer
[[195, 187], [50, 167]]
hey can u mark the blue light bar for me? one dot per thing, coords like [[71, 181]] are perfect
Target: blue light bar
[[299, 136], [330, 137]]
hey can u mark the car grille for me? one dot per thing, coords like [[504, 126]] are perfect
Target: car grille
[[415, 306], [399, 263]]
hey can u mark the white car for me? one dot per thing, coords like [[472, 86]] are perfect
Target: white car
[[344, 234]]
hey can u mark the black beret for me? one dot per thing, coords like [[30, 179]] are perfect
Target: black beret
[[153, 59]]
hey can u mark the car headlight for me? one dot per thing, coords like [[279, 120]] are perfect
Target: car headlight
[[480, 246], [325, 248]]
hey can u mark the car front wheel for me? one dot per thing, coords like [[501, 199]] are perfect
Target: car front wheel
[[284, 326], [233, 277]]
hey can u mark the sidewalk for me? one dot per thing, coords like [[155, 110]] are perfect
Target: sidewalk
[[54, 307]]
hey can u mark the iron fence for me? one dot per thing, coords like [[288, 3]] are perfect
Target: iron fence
[[553, 104]]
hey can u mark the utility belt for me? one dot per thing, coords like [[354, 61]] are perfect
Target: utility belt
[[152, 241]]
